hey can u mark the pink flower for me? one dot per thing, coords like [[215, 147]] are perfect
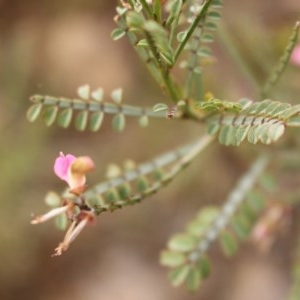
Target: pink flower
[[295, 56], [72, 170]]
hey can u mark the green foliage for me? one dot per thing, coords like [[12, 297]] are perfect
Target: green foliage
[[160, 34], [198, 45], [260, 121], [283, 61], [87, 112], [129, 186], [228, 225]]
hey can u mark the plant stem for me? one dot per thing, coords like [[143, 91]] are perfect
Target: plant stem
[[231, 205], [168, 83], [147, 8], [192, 28], [283, 62]]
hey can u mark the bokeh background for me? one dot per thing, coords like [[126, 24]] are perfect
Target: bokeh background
[[52, 47]]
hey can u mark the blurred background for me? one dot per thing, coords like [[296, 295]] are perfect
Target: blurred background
[[52, 47]]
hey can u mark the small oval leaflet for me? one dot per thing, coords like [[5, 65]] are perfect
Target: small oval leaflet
[[228, 243], [207, 38], [96, 119], [182, 242], [142, 184], [117, 34], [61, 221], [52, 199], [178, 275], [118, 122], [193, 279], [172, 258], [97, 94], [34, 111], [142, 43], [144, 121], [204, 52], [124, 191], [50, 114], [64, 118], [214, 15], [160, 107], [181, 36], [116, 95], [84, 91], [210, 26], [81, 120]]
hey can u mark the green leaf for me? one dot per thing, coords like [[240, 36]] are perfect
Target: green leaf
[[174, 12], [196, 228], [276, 131], [204, 52], [172, 259], [96, 119], [135, 20], [34, 111], [182, 242], [252, 136], [81, 120], [61, 221], [160, 107], [210, 26], [49, 115], [64, 117], [52, 199], [193, 279], [124, 191], [241, 226], [204, 266], [265, 134], [160, 38], [247, 212], [228, 243], [111, 196], [84, 91], [116, 95], [95, 202], [207, 38], [142, 184], [117, 34], [212, 128], [214, 15], [294, 121], [142, 43], [208, 214], [225, 135], [178, 275], [97, 94], [181, 36], [118, 122], [241, 134], [255, 201], [144, 121], [217, 3], [167, 57]]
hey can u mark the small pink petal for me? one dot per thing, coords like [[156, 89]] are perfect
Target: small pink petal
[[62, 166]]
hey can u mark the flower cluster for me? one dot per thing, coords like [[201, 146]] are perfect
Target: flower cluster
[[73, 171]]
